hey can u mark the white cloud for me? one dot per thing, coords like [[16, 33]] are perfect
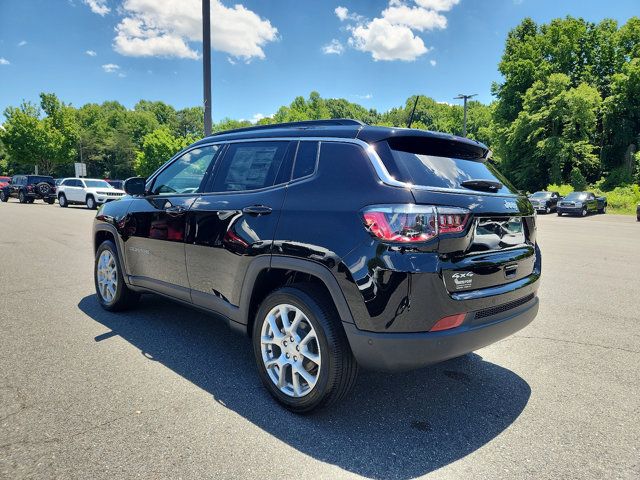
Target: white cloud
[[391, 36], [4, 61], [334, 47], [386, 41], [168, 28], [91, 53], [110, 67], [122, 75], [367, 96], [438, 5], [22, 43], [342, 13], [416, 18], [98, 6], [433, 63]]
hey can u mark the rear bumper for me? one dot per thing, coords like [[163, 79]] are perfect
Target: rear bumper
[[407, 351]]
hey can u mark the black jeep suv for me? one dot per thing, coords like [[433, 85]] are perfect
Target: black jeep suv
[[28, 188], [333, 245]]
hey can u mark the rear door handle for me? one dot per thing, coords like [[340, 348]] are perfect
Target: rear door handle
[[257, 210]]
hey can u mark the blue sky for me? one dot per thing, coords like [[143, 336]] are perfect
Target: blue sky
[[374, 52]]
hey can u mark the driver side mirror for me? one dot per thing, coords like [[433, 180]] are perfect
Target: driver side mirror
[[135, 186]]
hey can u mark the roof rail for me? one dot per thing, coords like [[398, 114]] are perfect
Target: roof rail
[[334, 122]]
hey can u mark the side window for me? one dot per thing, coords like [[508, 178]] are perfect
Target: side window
[[249, 166], [75, 183], [186, 173], [306, 159]]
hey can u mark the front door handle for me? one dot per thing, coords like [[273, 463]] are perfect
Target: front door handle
[[257, 210], [175, 210]]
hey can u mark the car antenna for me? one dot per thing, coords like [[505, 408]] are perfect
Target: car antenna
[[413, 111]]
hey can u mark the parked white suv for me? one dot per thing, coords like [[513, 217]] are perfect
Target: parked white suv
[[88, 191]]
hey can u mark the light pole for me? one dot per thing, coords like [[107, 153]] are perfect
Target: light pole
[[206, 59], [465, 98]]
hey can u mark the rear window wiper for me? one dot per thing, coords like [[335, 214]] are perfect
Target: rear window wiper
[[479, 184]]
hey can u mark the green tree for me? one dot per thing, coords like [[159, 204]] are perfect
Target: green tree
[[158, 147], [577, 180]]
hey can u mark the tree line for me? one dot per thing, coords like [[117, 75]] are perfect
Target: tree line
[[567, 110]]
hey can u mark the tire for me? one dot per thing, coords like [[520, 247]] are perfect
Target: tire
[[50, 201], [559, 214], [337, 370], [584, 212], [3, 196], [603, 210], [43, 188], [22, 197], [91, 202], [30, 200], [547, 210], [107, 263], [62, 200]]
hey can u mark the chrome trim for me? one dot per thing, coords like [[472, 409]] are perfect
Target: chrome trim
[[378, 165]]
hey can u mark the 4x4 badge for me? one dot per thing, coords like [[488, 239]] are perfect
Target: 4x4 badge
[[512, 205]]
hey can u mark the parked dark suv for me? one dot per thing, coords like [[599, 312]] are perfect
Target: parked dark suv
[[333, 245], [28, 188]]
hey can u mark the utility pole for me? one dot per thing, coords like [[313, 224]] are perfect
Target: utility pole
[[465, 98], [206, 59]]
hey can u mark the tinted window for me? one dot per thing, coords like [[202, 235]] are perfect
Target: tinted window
[[306, 159], [541, 195], [39, 179], [185, 174], [96, 184], [249, 166], [576, 196], [425, 169]]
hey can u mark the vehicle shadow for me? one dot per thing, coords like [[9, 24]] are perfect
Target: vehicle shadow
[[391, 425]]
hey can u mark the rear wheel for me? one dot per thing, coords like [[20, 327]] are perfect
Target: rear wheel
[[22, 197], [50, 201], [62, 200], [91, 202], [303, 356], [113, 294]]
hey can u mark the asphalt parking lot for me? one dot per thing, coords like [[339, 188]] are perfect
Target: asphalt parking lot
[[167, 392]]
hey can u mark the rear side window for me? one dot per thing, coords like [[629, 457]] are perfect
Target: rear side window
[[306, 159], [422, 167], [249, 166]]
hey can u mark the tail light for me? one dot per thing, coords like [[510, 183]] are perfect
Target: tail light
[[413, 223]]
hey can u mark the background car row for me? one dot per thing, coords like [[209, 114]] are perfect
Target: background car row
[[80, 191], [575, 203]]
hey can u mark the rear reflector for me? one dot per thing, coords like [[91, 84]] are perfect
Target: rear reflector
[[447, 323]]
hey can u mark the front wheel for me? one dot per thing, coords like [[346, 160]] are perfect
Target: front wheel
[[584, 212], [22, 198], [50, 201], [62, 200], [302, 352], [559, 214], [91, 203], [113, 294], [3, 196], [603, 209], [547, 210]]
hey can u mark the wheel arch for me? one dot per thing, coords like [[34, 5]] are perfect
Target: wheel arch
[[267, 274], [103, 232]]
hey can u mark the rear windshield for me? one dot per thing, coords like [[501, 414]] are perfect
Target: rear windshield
[[39, 179], [424, 168]]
